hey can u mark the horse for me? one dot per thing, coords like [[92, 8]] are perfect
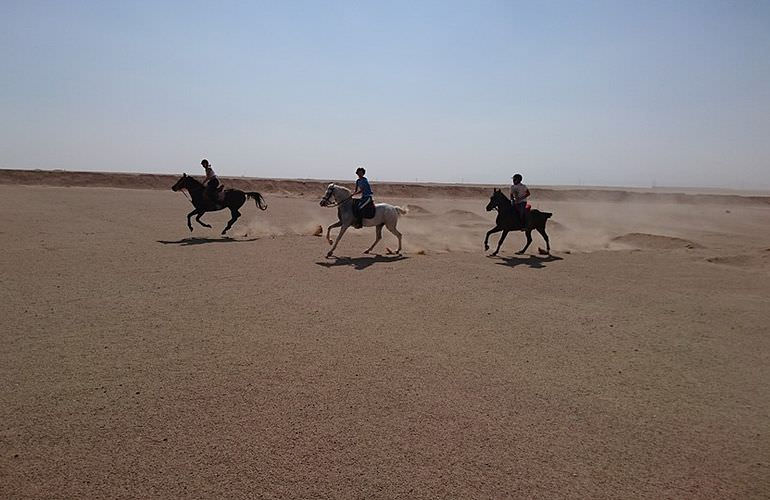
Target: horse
[[384, 215], [507, 220], [233, 199]]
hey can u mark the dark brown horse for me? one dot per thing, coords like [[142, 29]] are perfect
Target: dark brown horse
[[508, 220], [233, 199]]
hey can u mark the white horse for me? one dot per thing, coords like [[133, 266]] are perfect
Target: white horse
[[384, 215]]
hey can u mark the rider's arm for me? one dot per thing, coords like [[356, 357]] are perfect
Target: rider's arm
[[527, 195]]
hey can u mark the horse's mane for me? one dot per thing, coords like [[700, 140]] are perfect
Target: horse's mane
[[343, 188], [193, 180], [499, 192]]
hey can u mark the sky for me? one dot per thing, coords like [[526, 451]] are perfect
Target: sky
[[616, 93]]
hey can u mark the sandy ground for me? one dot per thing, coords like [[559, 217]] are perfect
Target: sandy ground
[[139, 362]]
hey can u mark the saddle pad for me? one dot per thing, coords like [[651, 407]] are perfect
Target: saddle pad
[[369, 211]]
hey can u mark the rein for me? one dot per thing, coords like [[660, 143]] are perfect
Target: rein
[[185, 191], [336, 203]]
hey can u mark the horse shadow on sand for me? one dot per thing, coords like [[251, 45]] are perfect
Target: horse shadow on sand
[[360, 263], [533, 261], [184, 242]]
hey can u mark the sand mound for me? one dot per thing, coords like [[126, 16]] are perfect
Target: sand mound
[[653, 241], [476, 225], [463, 216], [748, 261]]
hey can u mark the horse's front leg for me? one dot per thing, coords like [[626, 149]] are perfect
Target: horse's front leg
[[494, 230], [189, 223], [529, 242], [500, 242], [329, 230], [339, 236], [198, 219]]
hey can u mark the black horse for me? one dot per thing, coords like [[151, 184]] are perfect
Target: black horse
[[233, 199], [508, 220]]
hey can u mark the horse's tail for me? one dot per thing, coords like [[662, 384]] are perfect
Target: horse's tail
[[258, 199], [401, 210], [547, 214]]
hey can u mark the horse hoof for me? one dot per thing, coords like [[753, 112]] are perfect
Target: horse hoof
[[329, 255]]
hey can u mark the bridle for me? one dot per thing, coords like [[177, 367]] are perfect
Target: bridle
[[498, 202], [328, 196], [184, 190]]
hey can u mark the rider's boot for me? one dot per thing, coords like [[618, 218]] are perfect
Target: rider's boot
[[359, 223]]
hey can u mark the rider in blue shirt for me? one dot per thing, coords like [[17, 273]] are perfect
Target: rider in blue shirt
[[362, 187]]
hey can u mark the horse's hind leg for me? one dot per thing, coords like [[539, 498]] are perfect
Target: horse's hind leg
[[198, 219], [541, 230], [235, 214], [500, 242], [528, 232], [189, 223], [377, 238], [396, 232]]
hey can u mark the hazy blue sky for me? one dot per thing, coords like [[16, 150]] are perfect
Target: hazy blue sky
[[605, 93]]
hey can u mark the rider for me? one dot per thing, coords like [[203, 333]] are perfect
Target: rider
[[211, 182], [519, 195], [362, 187]]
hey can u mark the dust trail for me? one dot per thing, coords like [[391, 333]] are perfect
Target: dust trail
[[459, 225], [301, 220]]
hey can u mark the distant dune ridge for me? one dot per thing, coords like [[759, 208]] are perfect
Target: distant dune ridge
[[654, 241], [308, 187]]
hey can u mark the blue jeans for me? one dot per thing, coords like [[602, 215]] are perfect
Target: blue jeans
[[521, 209]]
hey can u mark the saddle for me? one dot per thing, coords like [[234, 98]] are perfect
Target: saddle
[[368, 211], [527, 210], [219, 197]]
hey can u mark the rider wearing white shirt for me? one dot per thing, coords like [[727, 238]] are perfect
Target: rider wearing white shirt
[[211, 182], [519, 195]]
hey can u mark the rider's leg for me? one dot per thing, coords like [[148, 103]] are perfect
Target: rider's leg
[[211, 187], [360, 212], [521, 209]]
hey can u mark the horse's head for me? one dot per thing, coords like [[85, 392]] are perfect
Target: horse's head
[[180, 184], [497, 200], [327, 195]]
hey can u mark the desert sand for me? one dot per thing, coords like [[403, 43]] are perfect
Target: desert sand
[[139, 360]]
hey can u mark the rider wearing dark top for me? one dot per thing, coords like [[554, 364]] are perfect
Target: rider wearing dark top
[[211, 182], [362, 187]]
